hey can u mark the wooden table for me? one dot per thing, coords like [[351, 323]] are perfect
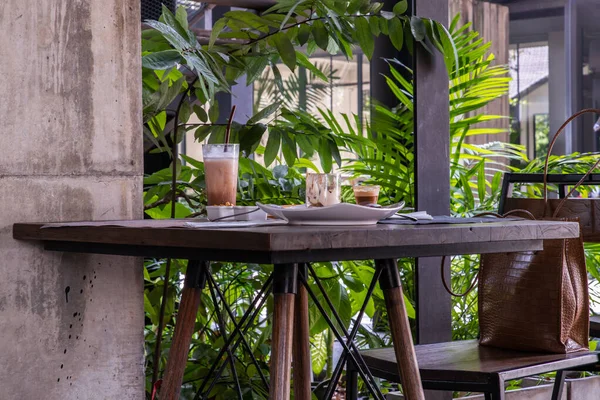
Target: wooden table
[[286, 247]]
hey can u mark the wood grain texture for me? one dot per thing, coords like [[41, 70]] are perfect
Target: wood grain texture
[[467, 361], [299, 238], [298, 256], [180, 347], [281, 346], [587, 210], [403, 345], [301, 348]]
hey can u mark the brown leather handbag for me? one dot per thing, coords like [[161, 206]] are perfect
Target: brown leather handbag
[[535, 300], [539, 300]]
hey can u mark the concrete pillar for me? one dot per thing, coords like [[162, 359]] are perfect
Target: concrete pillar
[[70, 149]]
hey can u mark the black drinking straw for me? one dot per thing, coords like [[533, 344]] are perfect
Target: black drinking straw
[[228, 131]]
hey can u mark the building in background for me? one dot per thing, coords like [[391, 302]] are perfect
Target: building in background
[[555, 64]]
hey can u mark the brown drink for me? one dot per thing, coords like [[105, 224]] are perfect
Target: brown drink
[[366, 194], [221, 173]]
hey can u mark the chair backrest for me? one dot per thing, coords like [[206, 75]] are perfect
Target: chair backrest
[[561, 180]]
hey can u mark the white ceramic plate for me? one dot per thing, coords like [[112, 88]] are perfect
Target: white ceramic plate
[[337, 214]]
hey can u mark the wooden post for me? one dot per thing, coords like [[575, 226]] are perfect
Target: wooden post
[[284, 292], [195, 279], [302, 368], [432, 175], [432, 158], [384, 49], [432, 180], [400, 330]]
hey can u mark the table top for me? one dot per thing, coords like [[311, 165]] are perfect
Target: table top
[[286, 243]]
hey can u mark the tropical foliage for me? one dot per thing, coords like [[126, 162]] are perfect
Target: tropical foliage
[[385, 151], [295, 136], [244, 44], [181, 78]]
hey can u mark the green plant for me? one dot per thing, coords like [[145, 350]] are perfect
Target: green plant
[[303, 89], [245, 43], [177, 66], [385, 152]]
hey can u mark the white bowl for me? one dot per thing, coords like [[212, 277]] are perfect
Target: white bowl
[[235, 213], [221, 213]]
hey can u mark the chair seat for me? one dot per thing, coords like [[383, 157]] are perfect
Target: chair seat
[[464, 365], [595, 326]]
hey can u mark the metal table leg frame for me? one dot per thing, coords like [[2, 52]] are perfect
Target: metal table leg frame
[[351, 381], [497, 392], [221, 323], [244, 324], [400, 329], [559, 384], [352, 350], [195, 279], [237, 328], [284, 294], [350, 338]]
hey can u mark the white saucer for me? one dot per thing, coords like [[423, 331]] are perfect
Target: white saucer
[[337, 214]]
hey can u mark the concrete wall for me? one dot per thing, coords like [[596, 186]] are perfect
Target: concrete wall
[[71, 325]]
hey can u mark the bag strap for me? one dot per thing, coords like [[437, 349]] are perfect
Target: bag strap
[[562, 203], [476, 278], [520, 211], [447, 287], [554, 138]]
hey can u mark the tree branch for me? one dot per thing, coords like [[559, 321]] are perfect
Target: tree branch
[[163, 304]]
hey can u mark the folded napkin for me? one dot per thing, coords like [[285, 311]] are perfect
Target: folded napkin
[[413, 216], [444, 219], [233, 224]]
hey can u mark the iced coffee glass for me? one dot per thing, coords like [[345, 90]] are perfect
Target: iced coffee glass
[[221, 173], [366, 194], [322, 190]]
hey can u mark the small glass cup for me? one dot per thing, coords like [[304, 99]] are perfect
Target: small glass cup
[[221, 173], [366, 194], [322, 190]]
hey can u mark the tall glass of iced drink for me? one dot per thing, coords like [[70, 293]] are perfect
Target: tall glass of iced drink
[[221, 173]]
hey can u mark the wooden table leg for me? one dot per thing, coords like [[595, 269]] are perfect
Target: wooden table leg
[[195, 280], [284, 293], [400, 329], [301, 347]]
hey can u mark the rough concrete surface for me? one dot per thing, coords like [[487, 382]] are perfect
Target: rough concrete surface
[[71, 325], [70, 101]]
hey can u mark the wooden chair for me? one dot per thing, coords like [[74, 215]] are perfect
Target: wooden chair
[[466, 366], [595, 326]]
